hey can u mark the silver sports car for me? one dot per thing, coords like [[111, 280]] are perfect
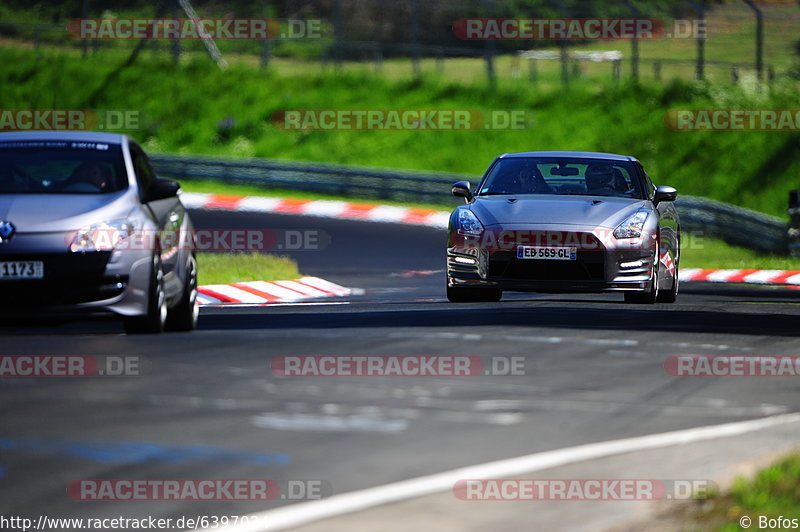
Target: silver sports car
[[86, 226], [564, 222]]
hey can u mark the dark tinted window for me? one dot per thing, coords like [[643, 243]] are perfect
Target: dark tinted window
[[593, 177], [61, 168]]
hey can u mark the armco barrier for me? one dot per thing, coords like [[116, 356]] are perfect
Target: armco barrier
[[736, 225]]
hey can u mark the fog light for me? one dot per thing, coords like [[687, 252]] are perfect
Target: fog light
[[634, 264], [465, 260]]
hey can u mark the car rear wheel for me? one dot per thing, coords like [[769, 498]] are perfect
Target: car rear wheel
[[183, 316], [461, 294], [153, 322]]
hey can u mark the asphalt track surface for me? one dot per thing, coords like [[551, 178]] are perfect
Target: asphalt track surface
[[207, 404]]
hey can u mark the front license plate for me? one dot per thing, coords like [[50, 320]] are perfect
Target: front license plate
[[546, 253], [22, 269]]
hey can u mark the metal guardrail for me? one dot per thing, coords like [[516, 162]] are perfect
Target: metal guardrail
[[354, 181], [735, 225]]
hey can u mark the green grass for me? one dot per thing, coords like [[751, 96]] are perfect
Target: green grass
[[223, 268], [698, 252], [187, 107], [773, 492]]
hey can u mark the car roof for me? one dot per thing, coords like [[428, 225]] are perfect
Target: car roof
[[569, 154], [66, 136]]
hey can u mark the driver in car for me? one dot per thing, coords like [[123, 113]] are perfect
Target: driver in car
[[93, 174], [601, 180], [531, 181]]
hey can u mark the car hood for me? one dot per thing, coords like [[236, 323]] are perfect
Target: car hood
[[595, 211], [35, 213]]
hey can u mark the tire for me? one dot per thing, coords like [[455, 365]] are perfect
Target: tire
[[460, 294], [183, 316], [153, 322], [648, 297], [672, 294]]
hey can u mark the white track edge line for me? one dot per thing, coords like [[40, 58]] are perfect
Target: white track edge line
[[307, 512]]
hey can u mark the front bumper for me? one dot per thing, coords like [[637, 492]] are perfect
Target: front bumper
[[78, 283], [603, 263]]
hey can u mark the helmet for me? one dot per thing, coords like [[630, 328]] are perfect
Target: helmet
[[599, 176]]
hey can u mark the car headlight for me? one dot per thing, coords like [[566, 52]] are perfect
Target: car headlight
[[104, 236], [468, 223], [632, 227]]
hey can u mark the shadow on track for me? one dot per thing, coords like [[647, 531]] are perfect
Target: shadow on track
[[462, 318]]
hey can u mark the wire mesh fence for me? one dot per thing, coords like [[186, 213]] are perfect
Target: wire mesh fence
[[697, 40]]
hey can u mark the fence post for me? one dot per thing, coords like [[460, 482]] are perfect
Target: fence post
[[337, 34], [735, 74], [533, 69], [265, 44], [415, 36], [700, 69], [490, 48], [176, 44], [634, 44], [657, 70], [84, 42], [616, 71], [576, 68], [759, 38]]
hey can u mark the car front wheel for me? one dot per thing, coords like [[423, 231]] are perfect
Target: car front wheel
[[648, 297], [183, 316], [153, 322]]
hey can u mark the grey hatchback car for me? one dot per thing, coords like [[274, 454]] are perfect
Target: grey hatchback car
[[87, 227]]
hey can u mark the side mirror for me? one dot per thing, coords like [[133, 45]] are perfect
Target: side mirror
[[461, 190], [161, 189], [665, 193]]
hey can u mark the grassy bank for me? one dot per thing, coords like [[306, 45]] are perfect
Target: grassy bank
[[196, 108], [223, 268], [773, 493]]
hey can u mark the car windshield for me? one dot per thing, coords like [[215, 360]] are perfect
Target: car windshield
[[563, 176], [61, 168]]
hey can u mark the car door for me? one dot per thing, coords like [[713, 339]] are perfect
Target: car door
[[168, 214]]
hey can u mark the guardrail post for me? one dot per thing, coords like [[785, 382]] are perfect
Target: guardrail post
[[794, 223], [378, 54]]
